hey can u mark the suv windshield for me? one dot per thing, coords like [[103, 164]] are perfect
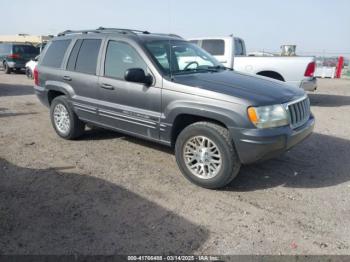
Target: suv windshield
[[180, 57]]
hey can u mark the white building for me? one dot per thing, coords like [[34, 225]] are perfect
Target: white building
[[22, 38]]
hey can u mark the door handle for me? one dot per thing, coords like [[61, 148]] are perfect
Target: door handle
[[67, 78], [107, 86]]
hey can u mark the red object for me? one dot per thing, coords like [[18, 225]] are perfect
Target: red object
[[310, 69], [14, 56], [36, 76], [339, 67], [294, 245]]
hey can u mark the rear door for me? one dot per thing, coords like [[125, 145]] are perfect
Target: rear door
[[81, 75], [127, 106]]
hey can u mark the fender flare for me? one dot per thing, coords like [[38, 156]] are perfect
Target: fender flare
[[60, 87], [232, 116]]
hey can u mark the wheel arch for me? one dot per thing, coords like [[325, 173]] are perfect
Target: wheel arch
[[271, 74], [183, 120], [56, 88]]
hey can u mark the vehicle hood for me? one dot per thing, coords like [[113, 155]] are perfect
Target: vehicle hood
[[252, 89]]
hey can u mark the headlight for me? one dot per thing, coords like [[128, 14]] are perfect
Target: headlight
[[268, 116]]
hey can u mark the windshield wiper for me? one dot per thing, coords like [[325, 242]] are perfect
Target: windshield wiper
[[220, 67], [195, 70]]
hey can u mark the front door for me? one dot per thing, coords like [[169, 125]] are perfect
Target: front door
[[127, 106]]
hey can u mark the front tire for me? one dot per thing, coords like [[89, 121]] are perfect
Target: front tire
[[206, 155], [64, 120]]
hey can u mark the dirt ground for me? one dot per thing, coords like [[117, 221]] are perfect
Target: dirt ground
[[112, 194]]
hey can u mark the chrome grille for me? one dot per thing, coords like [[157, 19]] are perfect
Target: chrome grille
[[299, 112]]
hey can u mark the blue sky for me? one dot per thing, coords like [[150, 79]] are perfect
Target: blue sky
[[315, 26]]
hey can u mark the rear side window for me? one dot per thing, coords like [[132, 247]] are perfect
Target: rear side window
[[121, 57], [214, 46], [239, 48], [55, 53], [87, 57]]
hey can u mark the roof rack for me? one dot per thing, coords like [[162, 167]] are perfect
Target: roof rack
[[100, 29], [69, 32], [123, 30], [119, 30]]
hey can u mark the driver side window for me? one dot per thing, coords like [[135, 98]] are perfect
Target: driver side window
[[120, 57]]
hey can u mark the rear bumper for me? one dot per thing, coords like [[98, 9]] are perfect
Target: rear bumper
[[41, 93], [16, 64], [255, 145], [309, 84]]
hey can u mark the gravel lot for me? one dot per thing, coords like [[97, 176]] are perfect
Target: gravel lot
[[112, 194]]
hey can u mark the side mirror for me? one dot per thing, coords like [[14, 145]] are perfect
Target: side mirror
[[137, 75]]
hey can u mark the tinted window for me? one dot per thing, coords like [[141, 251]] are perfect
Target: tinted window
[[87, 57], [214, 46], [119, 58], [55, 53], [25, 49], [73, 55], [239, 49]]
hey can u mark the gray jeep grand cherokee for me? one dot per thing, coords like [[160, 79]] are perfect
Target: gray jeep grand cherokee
[[162, 88]]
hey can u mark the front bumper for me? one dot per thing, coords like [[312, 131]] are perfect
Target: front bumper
[[309, 84], [255, 145]]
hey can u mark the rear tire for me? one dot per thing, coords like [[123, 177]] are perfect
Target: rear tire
[[64, 120], [206, 155], [7, 69]]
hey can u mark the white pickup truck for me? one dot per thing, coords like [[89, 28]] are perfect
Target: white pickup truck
[[231, 52]]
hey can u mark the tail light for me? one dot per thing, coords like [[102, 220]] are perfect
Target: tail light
[[310, 69], [36, 76], [14, 56]]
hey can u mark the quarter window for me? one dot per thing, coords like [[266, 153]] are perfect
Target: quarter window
[[214, 46], [55, 53], [87, 56], [73, 55], [120, 57]]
